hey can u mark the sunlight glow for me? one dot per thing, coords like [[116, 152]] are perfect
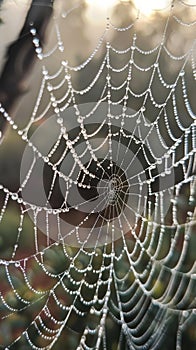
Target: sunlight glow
[[98, 10], [147, 6], [102, 4]]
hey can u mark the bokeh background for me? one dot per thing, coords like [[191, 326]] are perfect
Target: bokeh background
[[80, 34]]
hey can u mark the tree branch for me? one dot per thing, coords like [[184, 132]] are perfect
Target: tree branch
[[21, 56]]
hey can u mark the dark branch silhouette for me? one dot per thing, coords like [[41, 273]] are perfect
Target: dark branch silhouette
[[21, 56]]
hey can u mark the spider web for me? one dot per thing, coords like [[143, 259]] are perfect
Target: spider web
[[101, 251]]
